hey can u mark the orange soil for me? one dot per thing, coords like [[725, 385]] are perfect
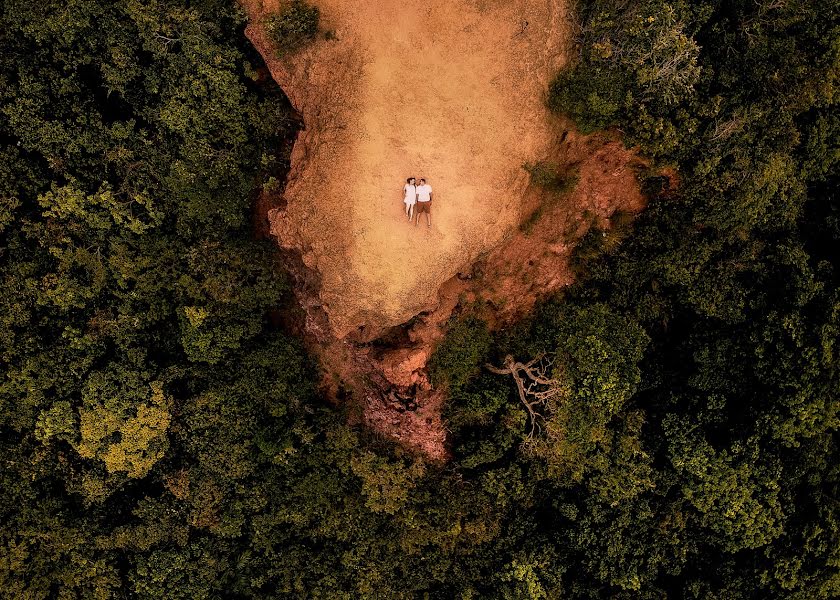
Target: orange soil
[[529, 265], [454, 91]]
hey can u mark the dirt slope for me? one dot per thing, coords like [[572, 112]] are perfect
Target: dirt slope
[[452, 90]]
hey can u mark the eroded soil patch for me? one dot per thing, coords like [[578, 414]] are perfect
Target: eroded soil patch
[[449, 90]]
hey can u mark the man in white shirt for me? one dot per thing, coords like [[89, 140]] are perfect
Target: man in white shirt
[[424, 202]]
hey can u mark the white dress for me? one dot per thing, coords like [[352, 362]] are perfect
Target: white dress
[[410, 194]]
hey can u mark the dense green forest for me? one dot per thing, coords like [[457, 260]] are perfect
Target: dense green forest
[[162, 439]]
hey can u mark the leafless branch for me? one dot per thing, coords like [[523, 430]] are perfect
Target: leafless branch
[[724, 129], [166, 40], [537, 389]]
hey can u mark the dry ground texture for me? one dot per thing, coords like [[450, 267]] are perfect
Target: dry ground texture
[[453, 91]]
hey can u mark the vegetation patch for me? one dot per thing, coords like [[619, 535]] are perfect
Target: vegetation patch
[[460, 355], [293, 26], [555, 181]]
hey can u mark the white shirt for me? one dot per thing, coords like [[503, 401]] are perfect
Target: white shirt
[[410, 193], [424, 192]]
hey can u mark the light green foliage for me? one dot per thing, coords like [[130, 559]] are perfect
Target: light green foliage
[[523, 580], [736, 496], [623, 472], [385, 485], [631, 59], [57, 422], [123, 427], [601, 353], [658, 51], [101, 212], [597, 367]]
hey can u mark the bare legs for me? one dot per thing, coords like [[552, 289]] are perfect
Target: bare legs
[[409, 211], [417, 212]]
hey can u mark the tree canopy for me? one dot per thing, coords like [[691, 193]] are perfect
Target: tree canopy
[[161, 438]]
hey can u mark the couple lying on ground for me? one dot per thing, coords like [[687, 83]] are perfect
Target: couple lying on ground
[[419, 195]]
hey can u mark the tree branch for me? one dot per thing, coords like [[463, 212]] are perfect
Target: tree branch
[[536, 389]]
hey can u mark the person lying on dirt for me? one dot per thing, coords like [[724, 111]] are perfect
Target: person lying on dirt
[[410, 197], [424, 202]]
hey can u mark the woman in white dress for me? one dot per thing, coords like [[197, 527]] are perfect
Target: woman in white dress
[[410, 197]]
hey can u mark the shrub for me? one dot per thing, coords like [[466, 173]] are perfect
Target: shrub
[[293, 26], [458, 358], [592, 97], [552, 179]]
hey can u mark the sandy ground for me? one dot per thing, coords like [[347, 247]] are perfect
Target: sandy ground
[[452, 90]]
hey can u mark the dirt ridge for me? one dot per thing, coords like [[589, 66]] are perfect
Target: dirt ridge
[[478, 116]]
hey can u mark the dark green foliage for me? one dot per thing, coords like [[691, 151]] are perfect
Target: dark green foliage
[[734, 280], [637, 58], [161, 439], [592, 98], [461, 355], [551, 179], [293, 26], [131, 139]]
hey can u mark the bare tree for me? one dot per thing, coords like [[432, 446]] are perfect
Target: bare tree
[[725, 129], [538, 391]]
